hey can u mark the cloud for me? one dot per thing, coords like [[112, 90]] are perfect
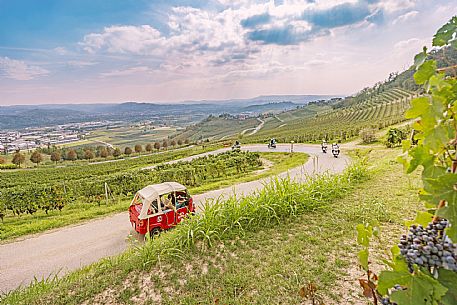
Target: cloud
[[405, 17], [80, 63], [409, 45], [19, 70], [60, 51], [338, 15], [287, 35], [255, 20], [391, 6], [128, 71], [142, 39], [237, 30]]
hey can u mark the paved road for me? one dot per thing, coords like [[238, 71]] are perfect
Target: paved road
[[66, 249]]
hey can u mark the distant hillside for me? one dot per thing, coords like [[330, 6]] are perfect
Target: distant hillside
[[181, 114], [42, 117], [271, 107], [218, 127]]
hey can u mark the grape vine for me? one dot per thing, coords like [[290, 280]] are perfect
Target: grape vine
[[423, 267]]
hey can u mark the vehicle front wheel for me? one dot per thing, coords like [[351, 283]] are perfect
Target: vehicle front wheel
[[155, 233]]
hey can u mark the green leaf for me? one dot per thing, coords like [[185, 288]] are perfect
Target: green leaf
[[450, 213], [363, 235], [422, 218], [420, 156], [405, 144], [421, 288], [419, 106], [363, 258], [445, 34], [448, 279], [425, 71], [436, 139], [420, 58]]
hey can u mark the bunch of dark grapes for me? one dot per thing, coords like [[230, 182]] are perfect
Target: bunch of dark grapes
[[386, 300], [429, 247]]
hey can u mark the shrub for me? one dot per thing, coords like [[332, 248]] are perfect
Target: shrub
[[368, 135]]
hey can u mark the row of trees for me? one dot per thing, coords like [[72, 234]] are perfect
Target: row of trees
[[89, 153]]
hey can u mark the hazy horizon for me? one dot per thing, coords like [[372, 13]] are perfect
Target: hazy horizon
[[178, 102], [65, 52]]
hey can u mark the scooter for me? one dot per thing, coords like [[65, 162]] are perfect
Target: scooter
[[236, 146], [335, 151]]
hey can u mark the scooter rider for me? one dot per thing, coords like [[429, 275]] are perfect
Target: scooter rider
[[324, 146], [335, 149]]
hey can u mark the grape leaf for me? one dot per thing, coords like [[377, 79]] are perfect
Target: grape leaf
[[449, 280], [421, 289], [363, 258], [436, 138], [363, 235], [442, 187], [422, 218], [420, 58], [425, 71], [420, 156], [419, 106], [450, 213], [445, 33]]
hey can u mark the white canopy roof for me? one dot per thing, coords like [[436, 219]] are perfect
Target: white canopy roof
[[152, 192]]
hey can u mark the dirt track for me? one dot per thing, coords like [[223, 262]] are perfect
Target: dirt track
[[66, 249]]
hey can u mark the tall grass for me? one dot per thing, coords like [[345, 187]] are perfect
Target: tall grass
[[278, 201]]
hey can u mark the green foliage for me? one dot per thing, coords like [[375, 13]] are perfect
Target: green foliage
[[18, 159], [368, 135], [436, 154], [8, 166], [395, 136], [421, 287], [52, 195]]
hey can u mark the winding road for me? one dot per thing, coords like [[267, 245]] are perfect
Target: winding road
[[60, 251]]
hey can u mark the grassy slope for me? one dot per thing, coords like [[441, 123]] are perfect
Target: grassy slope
[[13, 227], [129, 136], [270, 266], [217, 128], [267, 265]]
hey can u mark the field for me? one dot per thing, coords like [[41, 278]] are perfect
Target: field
[[218, 128], [314, 123], [130, 135], [340, 120], [263, 258], [81, 208]]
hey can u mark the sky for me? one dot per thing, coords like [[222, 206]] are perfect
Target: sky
[[100, 51]]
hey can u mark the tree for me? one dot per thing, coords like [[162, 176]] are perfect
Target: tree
[[157, 145], [56, 156], [104, 153], [36, 157], [179, 142], [128, 151], [2, 160], [71, 155], [89, 154], [138, 148], [116, 152], [173, 143], [149, 147], [18, 159], [186, 141], [165, 144]]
